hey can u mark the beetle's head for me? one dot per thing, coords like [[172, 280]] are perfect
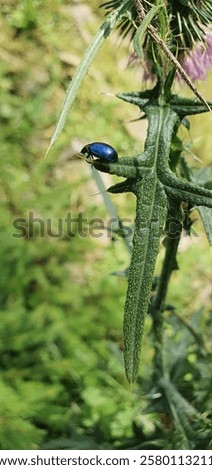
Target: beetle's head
[[85, 150], [84, 153]]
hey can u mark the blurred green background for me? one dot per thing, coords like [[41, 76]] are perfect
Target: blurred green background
[[62, 382]]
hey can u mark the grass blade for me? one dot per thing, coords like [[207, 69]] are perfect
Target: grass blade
[[84, 65]]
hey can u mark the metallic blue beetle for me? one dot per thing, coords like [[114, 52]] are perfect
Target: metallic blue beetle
[[99, 151]]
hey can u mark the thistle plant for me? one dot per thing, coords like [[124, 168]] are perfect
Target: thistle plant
[[166, 35]]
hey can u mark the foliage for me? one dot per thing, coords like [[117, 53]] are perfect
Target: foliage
[[62, 382]]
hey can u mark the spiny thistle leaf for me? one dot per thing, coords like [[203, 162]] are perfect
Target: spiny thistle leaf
[[204, 177], [156, 188]]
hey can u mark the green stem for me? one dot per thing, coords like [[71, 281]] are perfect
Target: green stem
[[169, 264]]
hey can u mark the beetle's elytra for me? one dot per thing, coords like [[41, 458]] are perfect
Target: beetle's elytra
[[100, 151]]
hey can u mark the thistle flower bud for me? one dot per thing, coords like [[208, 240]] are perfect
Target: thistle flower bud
[[188, 19], [189, 39]]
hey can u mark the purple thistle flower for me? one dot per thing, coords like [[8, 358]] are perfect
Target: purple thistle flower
[[143, 63], [199, 60], [196, 62]]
